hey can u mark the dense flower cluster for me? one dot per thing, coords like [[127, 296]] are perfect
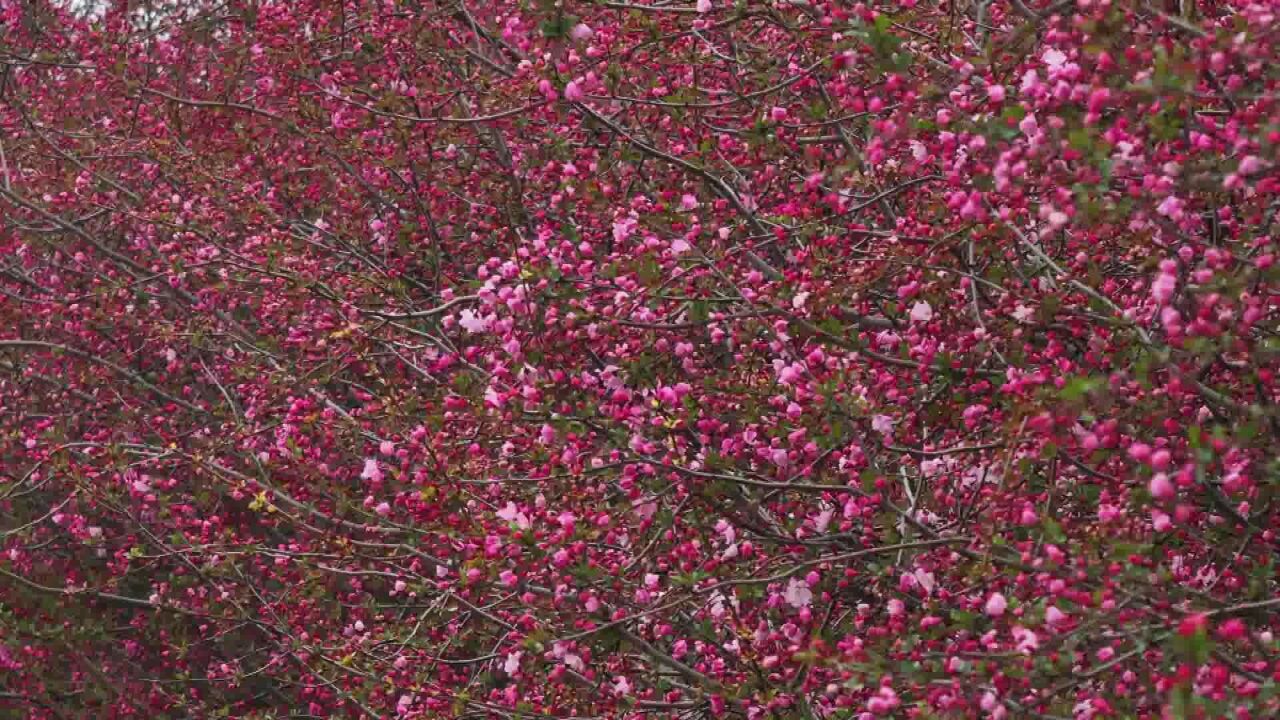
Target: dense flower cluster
[[710, 358]]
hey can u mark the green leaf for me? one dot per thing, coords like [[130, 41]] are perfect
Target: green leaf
[[555, 28], [1078, 387], [1080, 139], [1053, 530], [649, 271], [1014, 113], [963, 619]]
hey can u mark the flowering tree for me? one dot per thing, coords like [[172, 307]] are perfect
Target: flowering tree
[[760, 359]]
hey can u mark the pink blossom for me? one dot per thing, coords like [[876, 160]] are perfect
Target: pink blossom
[[883, 702], [882, 424], [789, 374], [1028, 125], [566, 520], [1249, 165], [548, 90], [472, 322], [1171, 207], [371, 471], [511, 513], [798, 594], [1026, 640], [1161, 521], [823, 520], [1163, 287], [779, 457], [632, 350], [996, 605], [1161, 488]]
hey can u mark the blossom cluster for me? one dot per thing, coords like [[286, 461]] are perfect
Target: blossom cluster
[[693, 359]]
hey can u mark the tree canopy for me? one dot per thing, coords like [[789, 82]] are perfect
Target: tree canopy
[[660, 358]]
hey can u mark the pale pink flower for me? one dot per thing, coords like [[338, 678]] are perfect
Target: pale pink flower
[[798, 594], [925, 580], [1249, 165], [882, 424], [996, 605], [511, 513], [1171, 207], [371, 470], [1163, 287], [472, 322], [1161, 488], [1028, 642], [823, 520], [779, 457], [1161, 521], [493, 398]]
